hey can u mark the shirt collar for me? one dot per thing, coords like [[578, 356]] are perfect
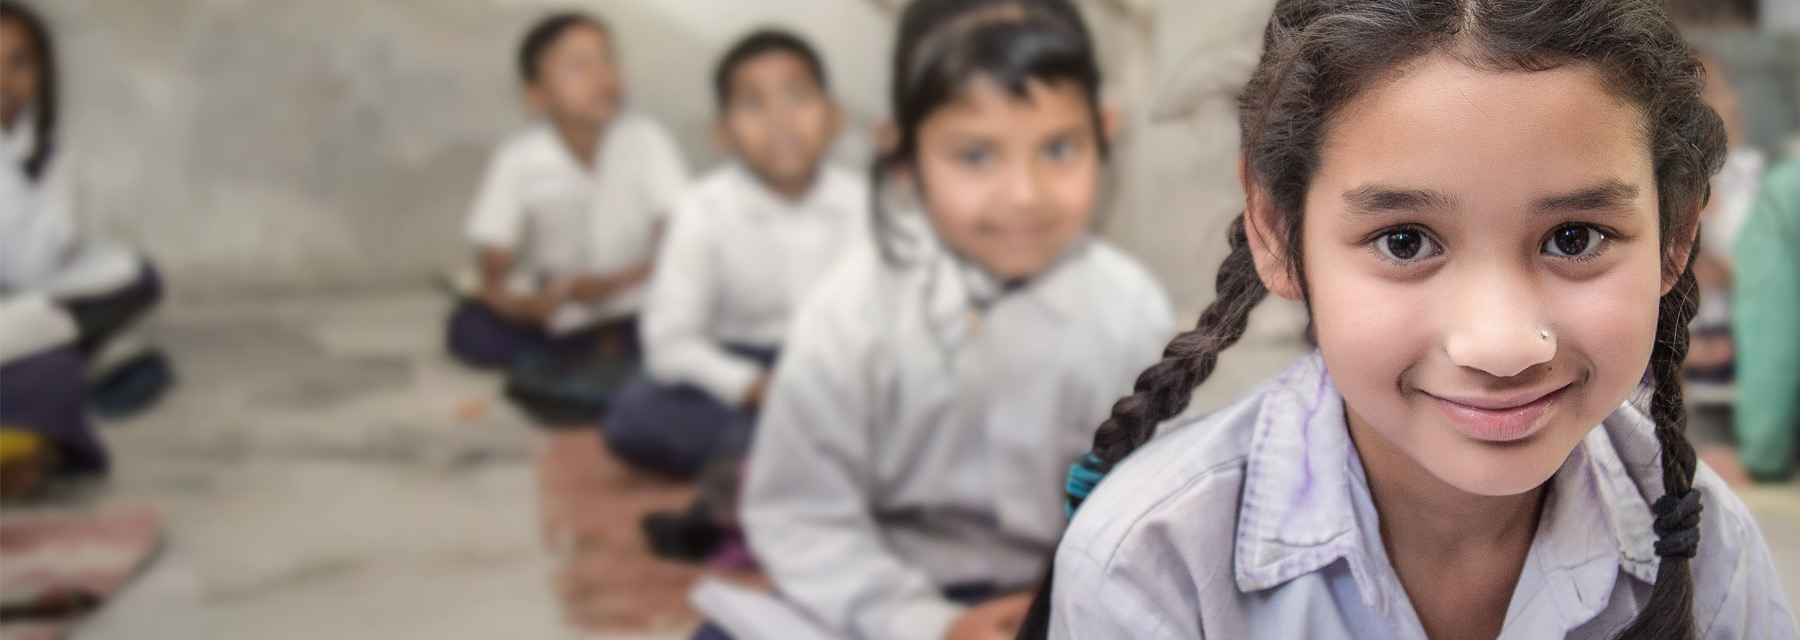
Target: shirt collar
[[959, 293], [764, 202], [1303, 482], [17, 143]]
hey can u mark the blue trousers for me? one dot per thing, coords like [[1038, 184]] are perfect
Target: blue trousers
[[47, 394], [965, 594], [676, 428], [482, 338]]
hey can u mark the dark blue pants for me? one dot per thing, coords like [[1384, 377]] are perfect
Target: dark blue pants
[[677, 429], [47, 395], [964, 594], [99, 318], [480, 337]]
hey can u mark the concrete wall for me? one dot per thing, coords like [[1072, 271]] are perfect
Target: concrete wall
[[300, 144]]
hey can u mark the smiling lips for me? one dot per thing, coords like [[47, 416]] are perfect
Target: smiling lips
[[1502, 418]]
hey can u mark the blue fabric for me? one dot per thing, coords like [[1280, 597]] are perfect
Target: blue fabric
[[1083, 477], [46, 394], [967, 595], [677, 429], [482, 338]]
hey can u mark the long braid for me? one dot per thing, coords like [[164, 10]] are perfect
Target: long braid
[[1164, 389], [1162, 392], [1678, 510]]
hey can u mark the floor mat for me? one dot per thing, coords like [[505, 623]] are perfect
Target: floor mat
[[59, 564]]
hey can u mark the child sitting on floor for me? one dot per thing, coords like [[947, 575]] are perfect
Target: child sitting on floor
[[567, 217], [752, 240]]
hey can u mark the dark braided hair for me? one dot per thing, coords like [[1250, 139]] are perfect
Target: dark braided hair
[[945, 44], [1317, 56], [38, 161]]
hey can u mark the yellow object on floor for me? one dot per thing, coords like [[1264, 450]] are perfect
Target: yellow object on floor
[[17, 445]]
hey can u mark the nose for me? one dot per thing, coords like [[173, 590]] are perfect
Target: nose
[[1498, 325], [1024, 185]]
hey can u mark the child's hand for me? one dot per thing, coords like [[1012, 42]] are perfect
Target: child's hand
[[591, 289], [998, 619], [754, 398], [531, 309]]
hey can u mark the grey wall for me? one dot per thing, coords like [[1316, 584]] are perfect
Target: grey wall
[[277, 145]]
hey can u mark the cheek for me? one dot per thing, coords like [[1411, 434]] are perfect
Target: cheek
[[1368, 327], [953, 199], [1073, 191], [1609, 322]]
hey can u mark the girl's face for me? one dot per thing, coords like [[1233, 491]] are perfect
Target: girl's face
[[18, 72], [578, 80], [1484, 266], [1009, 182]]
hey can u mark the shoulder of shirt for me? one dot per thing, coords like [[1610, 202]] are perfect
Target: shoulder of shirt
[[718, 188], [635, 125], [1196, 456], [1120, 271], [535, 141], [1728, 531]]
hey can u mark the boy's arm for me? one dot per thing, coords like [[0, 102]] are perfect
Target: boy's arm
[[807, 508], [496, 227], [677, 346]]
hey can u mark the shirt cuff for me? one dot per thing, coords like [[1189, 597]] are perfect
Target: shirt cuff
[[921, 619]]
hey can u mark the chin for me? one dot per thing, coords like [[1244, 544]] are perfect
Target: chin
[[1506, 469]]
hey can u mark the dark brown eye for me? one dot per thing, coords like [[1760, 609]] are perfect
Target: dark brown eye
[[1574, 241], [1405, 244]]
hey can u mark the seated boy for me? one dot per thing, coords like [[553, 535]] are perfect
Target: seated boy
[[567, 217], [744, 249]]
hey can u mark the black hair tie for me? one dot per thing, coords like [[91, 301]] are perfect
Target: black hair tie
[[1677, 525]]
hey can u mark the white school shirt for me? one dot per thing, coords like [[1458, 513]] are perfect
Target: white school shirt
[[42, 249], [563, 219], [737, 261], [911, 442], [1256, 522]]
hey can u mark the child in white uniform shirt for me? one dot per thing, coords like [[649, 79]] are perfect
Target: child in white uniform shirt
[[906, 471], [1490, 208], [567, 217], [94, 288], [751, 241]]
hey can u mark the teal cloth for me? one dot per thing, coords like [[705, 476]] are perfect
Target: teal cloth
[[1766, 325]]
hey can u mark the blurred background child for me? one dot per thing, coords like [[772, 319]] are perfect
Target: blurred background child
[[906, 471], [68, 296], [567, 218], [751, 241]]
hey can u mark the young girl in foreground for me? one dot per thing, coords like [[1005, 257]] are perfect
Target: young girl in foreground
[[1490, 208], [904, 481]]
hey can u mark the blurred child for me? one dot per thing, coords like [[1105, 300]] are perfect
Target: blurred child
[[1489, 208], [567, 216], [1765, 312], [905, 477], [64, 297], [1712, 353], [751, 240]]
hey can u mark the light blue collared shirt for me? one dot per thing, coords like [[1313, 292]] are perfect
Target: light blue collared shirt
[[1256, 522]]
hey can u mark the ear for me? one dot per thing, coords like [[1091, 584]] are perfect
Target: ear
[[886, 136], [1267, 244], [1676, 258], [1111, 123], [535, 99], [834, 123]]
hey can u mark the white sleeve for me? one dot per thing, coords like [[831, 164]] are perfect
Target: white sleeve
[[34, 236], [677, 348], [807, 499], [497, 219], [665, 172]]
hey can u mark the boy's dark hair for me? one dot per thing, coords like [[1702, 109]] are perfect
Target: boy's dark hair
[[755, 45], [945, 44], [1318, 55], [38, 160], [545, 33]]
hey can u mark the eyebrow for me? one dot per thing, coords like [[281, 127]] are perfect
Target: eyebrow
[[1376, 200], [1607, 195]]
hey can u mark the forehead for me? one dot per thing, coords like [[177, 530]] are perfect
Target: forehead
[[773, 65], [981, 99], [581, 36], [1442, 124]]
